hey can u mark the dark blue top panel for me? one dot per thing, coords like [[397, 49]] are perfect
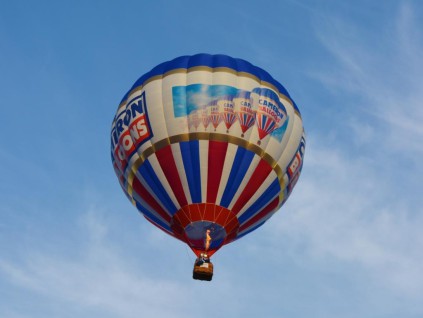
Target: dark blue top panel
[[212, 61]]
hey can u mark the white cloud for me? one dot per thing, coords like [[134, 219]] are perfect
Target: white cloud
[[381, 72], [91, 273], [344, 212], [100, 279], [363, 208]]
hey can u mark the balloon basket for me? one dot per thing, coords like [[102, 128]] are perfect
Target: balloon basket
[[203, 271]]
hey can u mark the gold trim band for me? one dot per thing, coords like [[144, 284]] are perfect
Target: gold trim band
[[205, 136]]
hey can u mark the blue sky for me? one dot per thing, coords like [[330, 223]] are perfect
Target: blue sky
[[192, 97], [348, 242]]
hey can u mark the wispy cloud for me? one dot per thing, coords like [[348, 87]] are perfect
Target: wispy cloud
[[96, 273], [358, 208], [355, 210], [100, 280], [341, 214], [381, 70]]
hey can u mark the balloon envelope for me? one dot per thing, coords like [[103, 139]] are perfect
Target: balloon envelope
[[207, 147]]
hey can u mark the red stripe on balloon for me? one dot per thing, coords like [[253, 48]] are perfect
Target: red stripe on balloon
[[221, 217], [257, 178], [149, 199], [208, 211], [183, 218], [262, 214], [231, 225], [168, 165], [215, 168], [196, 212]]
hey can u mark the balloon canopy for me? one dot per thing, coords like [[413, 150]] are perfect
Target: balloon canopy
[[208, 148]]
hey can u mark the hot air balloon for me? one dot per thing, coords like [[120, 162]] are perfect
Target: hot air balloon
[[244, 111], [215, 117], [206, 116], [270, 114], [226, 110], [207, 188], [193, 120]]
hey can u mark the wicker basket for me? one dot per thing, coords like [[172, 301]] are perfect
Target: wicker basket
[[203, 271]]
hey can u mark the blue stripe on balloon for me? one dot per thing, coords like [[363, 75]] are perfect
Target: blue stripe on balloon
[[261, 202], [140, 201], [250, 230], [191, 158], [212, 61], [263, 122], [242, 161], [152, 217], [147, 172]]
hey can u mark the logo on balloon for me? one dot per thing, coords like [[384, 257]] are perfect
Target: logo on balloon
[[131, 128], [209, 106], [296, 165]]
